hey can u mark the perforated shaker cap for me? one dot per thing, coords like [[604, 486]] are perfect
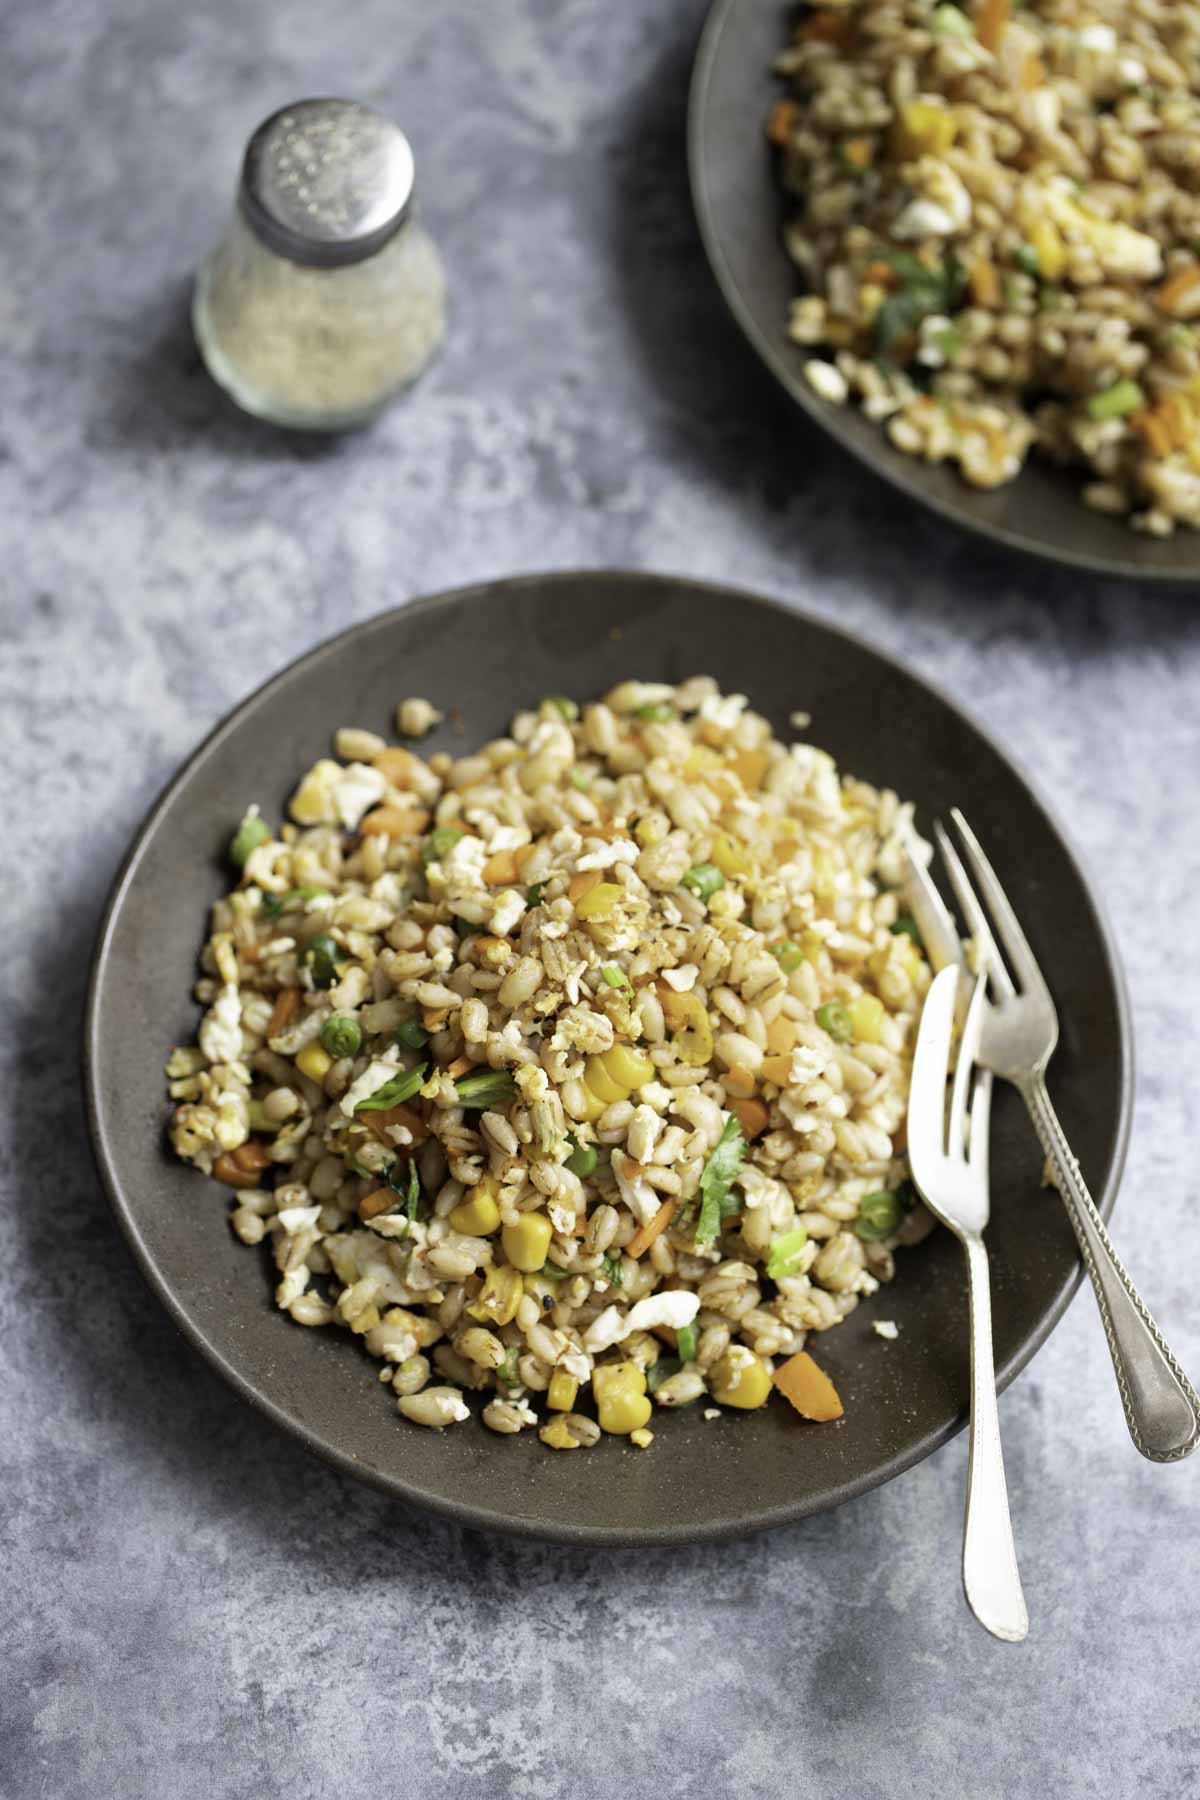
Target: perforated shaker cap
[[326, 182]]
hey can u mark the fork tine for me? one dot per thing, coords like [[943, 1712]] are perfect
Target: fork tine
[[927, 1087], [974, 914], [967, 1049], [1016, 945], [981, 1113], [935, 922]]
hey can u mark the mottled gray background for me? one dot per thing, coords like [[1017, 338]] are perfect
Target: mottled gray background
[[189, 1605]]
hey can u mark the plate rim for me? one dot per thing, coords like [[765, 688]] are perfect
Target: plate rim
[[463, 1513], [829, 418]]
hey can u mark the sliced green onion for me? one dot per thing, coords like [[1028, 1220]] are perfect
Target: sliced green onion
[[704, 880], [395, 1092], [1027, 260], [834, 1018], [466, 928], [786, 1253], [274, 904], [252, 832], [341, 1035], [506, 1371], [655, 712], [440, 843], [661, 1371], [486, 1089], [411, 1033], [614, 1270], [685, 1343], [581, 781], [949, 21], [583, 1159], [566, 709], [1114, 402], [259, 1121], [878, 1215], [551, 1272], [720, 1173], [322, 956], [533, 895], [615, 977], [906, 926], [789, 955]]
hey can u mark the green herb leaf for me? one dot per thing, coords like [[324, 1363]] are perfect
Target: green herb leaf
[[488, 1088], [720, 1173], [395, 1092]]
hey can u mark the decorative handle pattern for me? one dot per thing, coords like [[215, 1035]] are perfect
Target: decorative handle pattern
[[1161, 1406], [991, 1579]]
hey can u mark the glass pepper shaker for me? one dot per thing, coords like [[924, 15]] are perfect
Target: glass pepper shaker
[[325, 297]]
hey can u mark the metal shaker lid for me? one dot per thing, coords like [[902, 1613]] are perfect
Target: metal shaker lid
[[326, 182]]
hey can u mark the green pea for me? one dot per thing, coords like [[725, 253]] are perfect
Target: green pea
[[341, 1035], [412, 1034], [322, 955], [834, 1018], [790, 955], [704, 880], [582, 1160], [878, 1215], [440, 843], [252, 832]]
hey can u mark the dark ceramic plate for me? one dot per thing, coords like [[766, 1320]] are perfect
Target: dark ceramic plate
[[741, 212], [481, 653]]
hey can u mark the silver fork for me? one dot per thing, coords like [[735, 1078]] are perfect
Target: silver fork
[[1020, 1031], [949, 1162]]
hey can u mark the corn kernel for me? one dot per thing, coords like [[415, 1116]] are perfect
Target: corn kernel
[[866, 1018], [499, 1297], [314, 1062], [1051, 251], [923, 128], [729, 857], [601, 1084], [650, 831], [642, 1438], [560, 1396], [526, 1242], [557, 1435], [598, 902], [628, 1067], [623, 1412], [739, 1378], [478, 1215]]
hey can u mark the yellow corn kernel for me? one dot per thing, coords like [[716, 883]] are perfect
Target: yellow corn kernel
[[1051, 251], [650, 830], [628, 1067], [624, 1412], [739, 1378], [700, 761], [478, 1214], [314, 1062], [557, 1435], [866, 1018], [729, 856], [870, 298], [923, 128], [600, 1083], [615, 1378], [560, 1395], [312, 803], [598, 902], [526, 1242], [642, 1438], [593, 1107], [499, 1297]]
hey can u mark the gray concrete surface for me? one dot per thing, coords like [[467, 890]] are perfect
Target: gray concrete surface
[[189, 1607]]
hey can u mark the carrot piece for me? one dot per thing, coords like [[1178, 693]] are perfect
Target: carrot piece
[[286, 1006], [781, 1035], [751, 1115], [462, 1065], [645, 1235], [378, 1123], [808, 1388], [581, 884], [776, 1069], [397, 765], [1152, 428], [990, 23], [749, 766], [500, 870], [230, 1171], [394, 822], [1179, 295], [379, 1200], [780, 121]]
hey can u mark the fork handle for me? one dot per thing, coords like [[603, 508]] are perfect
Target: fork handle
[[1162, 1409], [991, 1579]]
